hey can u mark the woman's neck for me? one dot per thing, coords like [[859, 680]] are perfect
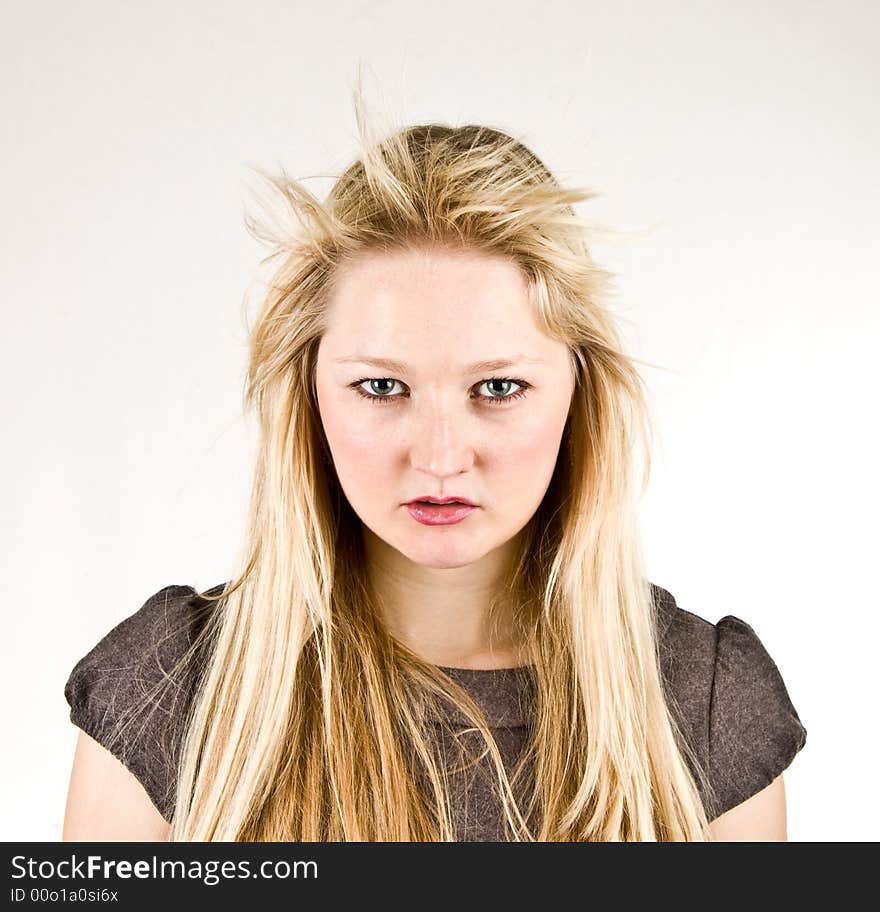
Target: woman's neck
[[444, 615]]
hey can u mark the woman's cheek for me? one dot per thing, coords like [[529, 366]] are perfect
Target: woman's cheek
[[534, 436]]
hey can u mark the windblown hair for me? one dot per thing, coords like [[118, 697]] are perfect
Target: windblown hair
[[309, 722]]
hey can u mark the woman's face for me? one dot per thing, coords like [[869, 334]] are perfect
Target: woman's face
[[437, 426]]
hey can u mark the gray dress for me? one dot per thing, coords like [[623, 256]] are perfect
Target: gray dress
[[722, 686]]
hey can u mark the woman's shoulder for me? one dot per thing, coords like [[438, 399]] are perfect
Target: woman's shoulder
[[166, 621], [729, 698], [132, 690]]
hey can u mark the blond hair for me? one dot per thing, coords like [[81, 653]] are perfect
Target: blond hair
[[310, 721]]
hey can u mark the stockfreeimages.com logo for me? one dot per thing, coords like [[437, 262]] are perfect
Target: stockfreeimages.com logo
[[209, 872]]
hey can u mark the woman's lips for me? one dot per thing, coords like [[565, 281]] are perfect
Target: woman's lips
[[438, 514]]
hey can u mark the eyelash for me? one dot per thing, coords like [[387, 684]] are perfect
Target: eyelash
[[495, 401]]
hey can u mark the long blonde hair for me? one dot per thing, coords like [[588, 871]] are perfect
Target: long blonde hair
[[309, 722]]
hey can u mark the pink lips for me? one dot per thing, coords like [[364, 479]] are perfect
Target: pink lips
[[439, 515], [443, 500]]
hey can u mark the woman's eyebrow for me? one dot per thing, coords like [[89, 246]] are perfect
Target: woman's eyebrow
[[391, 364]]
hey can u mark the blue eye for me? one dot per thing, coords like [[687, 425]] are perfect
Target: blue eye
[[490, 400]]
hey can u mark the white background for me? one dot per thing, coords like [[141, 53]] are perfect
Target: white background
[[735, 145]]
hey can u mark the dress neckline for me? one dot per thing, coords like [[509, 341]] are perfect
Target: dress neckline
[[505, 695]]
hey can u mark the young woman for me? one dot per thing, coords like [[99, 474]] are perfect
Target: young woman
[[379, 668]]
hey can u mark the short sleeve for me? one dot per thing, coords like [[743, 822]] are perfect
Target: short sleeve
[[132, 690], [754, 730]]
